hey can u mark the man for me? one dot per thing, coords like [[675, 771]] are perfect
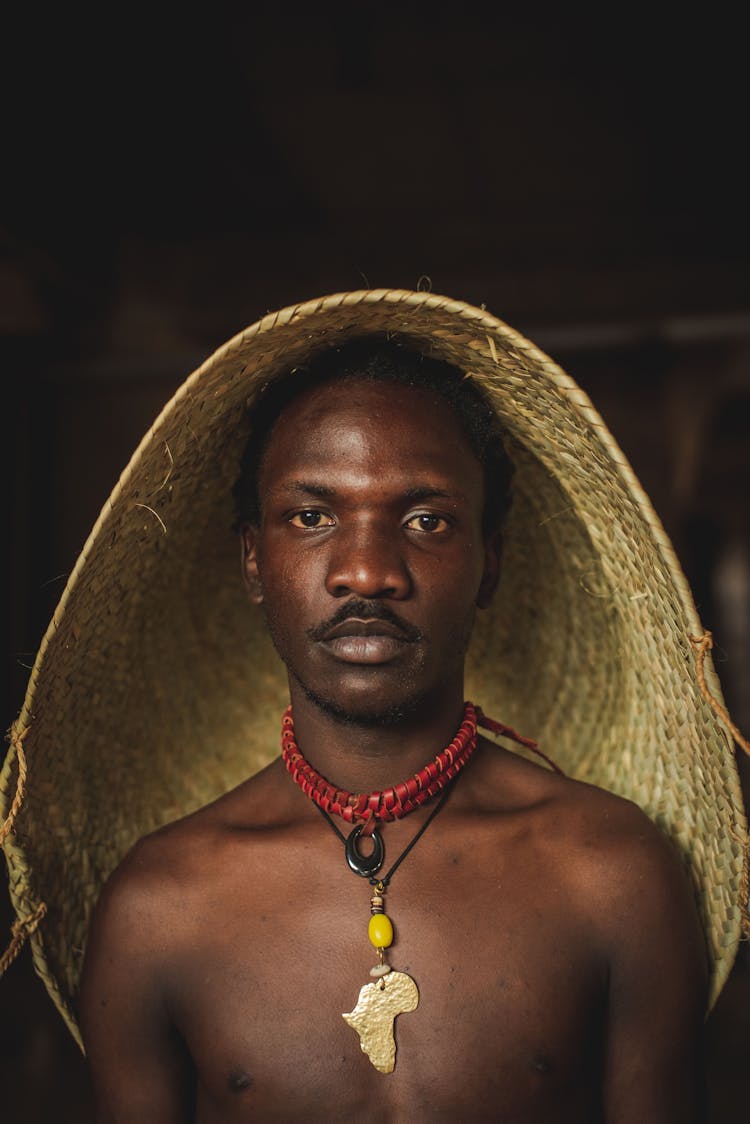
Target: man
[[547, 962]]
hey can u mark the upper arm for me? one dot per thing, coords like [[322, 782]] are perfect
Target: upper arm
[[658, 986], [139, 1069]]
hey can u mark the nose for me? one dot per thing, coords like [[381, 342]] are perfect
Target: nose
[[368, 561]]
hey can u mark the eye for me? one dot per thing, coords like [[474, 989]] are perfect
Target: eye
[[310, 520], [427, 521]]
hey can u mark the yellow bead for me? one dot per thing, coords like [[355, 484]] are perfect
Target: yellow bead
[[380, 930]]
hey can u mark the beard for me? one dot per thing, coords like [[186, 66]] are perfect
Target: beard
[[365, 714]]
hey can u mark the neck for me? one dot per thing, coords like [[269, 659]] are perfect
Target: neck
[[362, 757]]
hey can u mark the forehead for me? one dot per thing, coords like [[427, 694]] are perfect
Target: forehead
[[380, 426]]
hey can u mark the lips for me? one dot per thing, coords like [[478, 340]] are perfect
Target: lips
[[353, 626], [365, 641]]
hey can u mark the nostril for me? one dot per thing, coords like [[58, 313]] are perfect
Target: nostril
[[379, 576]]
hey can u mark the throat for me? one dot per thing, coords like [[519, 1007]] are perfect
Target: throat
[[365, 805], [362, 758]]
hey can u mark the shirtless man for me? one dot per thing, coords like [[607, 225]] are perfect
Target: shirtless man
[[546, 924]]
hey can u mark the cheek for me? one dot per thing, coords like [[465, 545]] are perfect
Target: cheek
[[289, 581], [449, 601], [454, 578]]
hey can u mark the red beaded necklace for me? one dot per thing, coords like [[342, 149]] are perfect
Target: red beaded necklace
[[391, 803]]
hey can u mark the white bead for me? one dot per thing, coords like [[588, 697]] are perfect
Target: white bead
[[380, 970]]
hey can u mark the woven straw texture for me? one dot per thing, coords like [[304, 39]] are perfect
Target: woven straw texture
[[156, 687]]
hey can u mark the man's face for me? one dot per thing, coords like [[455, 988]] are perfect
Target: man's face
[[370, 559]]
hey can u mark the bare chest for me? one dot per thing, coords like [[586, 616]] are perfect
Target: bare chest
[[499, 1019]]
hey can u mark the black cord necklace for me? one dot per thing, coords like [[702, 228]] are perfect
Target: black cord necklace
[[391, 993]]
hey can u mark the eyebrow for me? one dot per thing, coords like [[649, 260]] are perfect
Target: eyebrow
[[428, 491], [324, 491], [308, 488]]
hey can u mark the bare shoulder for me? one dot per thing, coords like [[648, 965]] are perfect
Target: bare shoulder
[[158, 867], [588, 818], [644, 905], [152, 902], [604, 828], [607, 856], [136, 920], [625, 862]]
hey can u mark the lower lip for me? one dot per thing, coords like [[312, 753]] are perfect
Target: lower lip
[[364, 649]]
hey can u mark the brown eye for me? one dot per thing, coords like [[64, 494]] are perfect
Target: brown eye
[[310, 520], [425, 521]]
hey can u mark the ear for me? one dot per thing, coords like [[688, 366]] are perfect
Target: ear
[[493, 549], [249, 560]]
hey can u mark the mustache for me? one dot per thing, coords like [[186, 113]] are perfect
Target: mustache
[[364, 611]]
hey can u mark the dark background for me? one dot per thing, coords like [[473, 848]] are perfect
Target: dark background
[[169, 177]]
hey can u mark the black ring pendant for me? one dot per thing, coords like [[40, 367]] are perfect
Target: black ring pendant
[[364, 865]]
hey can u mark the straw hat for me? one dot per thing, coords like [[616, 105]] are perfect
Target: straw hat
[[156, 687]]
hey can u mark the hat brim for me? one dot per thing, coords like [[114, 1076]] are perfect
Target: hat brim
[[156, 687]]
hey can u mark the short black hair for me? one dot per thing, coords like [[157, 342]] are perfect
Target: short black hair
[[380, 358]]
